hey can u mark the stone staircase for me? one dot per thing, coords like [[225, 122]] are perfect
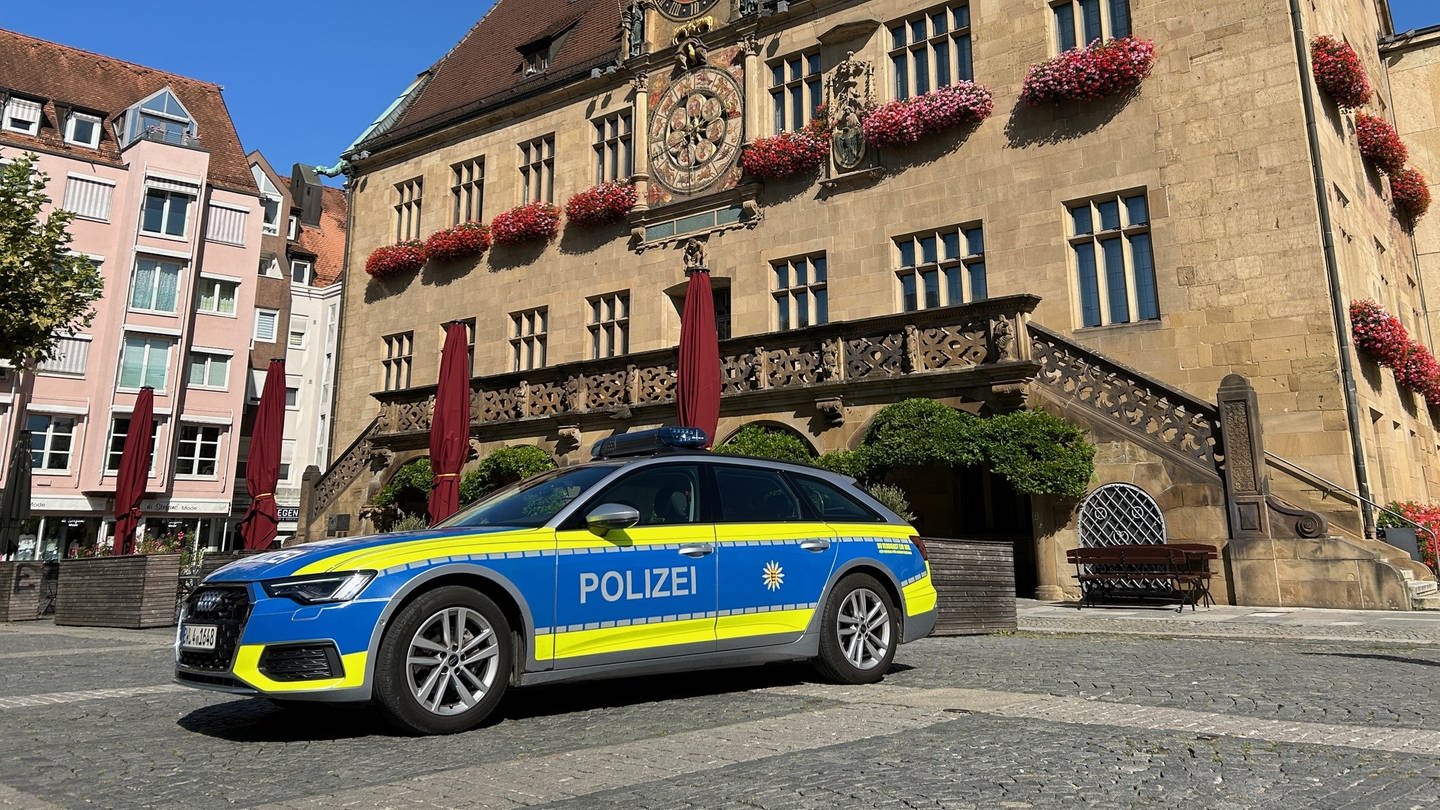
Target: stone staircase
[[1424, 593]]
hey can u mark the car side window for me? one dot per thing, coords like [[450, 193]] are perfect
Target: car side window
[[755, 495], [832, 503], [663, 495]]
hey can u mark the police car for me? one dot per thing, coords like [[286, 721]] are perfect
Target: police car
[[655, 556]]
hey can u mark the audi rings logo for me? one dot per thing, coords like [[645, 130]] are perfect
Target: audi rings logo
[[207, 601]]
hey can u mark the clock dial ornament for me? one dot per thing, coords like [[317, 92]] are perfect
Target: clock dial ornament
[[695, 130], [684, 9]]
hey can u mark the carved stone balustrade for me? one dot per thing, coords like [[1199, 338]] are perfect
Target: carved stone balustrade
[[987, 341]]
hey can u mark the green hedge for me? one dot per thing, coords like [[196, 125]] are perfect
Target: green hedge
[[414, 479], [504, 466], [763, 442]]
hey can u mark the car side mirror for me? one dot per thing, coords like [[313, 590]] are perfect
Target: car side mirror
[[611, 516]]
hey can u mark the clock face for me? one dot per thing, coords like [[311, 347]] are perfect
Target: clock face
[[684, 9], [695, 130]]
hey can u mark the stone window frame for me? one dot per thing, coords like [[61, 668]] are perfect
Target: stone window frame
[[800, 287], [1077, 23], [467, 190], [941, 267], [792, 78], [409, 201], [1111, 219], [537, 169], [398, 361], [469, 343], [943, 37], [529, 337], [609, 324], [614, 144]]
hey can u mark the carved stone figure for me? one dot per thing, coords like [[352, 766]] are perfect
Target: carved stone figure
[[848, 94], [694, 256]]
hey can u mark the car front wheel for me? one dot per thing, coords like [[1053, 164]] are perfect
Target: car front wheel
[[444, 662], [858, 633]]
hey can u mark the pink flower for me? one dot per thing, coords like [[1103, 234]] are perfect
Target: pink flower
[[1339, 72], [1098, 70], [404, 257], [1411, 195], [903, 122], [524, 223], [1378, 333], [1380, 144], [600, 204]]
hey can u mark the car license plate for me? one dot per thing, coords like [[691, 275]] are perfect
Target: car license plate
[[198, 637]]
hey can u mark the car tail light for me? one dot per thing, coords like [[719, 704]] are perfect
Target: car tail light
[[920, 544]]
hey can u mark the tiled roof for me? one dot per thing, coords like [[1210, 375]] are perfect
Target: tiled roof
[[94, 83], [327, 242], [487, 67]]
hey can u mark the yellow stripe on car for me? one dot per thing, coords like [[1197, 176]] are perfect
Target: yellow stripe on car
[[247, 669], [920, 595], [632, 637]]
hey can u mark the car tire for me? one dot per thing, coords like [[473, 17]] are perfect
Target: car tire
[[444, 662], [849, 642]]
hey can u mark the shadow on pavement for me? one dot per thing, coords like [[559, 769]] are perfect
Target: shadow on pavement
[[259, 720], [1399, 659]]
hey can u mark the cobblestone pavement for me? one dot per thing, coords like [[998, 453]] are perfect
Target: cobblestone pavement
[[91, 719]]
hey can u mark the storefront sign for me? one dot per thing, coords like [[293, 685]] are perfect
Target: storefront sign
[[287, 513], [174, 506]]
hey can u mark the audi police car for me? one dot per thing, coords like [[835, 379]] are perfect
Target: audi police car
[[654, 556]]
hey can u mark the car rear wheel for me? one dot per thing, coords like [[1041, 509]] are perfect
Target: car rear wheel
[[858, 634], [444, 662]]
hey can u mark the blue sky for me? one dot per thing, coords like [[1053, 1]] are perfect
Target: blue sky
[[303, 78]]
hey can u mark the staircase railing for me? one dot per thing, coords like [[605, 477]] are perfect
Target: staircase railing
[[347, 467]]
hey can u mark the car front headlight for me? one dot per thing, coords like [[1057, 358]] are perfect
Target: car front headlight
[[320, 588]]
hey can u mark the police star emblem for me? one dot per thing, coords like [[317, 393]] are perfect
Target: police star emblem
[[773, 575]]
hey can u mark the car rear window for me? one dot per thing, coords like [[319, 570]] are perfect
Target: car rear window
[[832, 503]]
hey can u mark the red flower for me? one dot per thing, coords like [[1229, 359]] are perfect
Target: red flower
[[524, 223], [1417, 371], [465, 239], [404, 257], [1411, 195], [1380, 144], [903, 122], [1098, 70], [786, 154], [1378, 333], [600, 204], [1339, 72]]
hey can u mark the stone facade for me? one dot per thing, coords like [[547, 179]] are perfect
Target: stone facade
[[1215, 143]]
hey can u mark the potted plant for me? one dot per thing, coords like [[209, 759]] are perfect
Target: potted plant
[[1380, 144], [1095, 71], [98, 589], [1338, 72], [1411, 195], [402, 257], [1378, 333], [458, 242], [598, 205], [789, 153], [525, 223]]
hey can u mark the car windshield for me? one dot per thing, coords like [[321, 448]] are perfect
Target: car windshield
[[530, 503]]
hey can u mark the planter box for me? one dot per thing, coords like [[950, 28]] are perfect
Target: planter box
[[20, 590], [136, 591], [976, 583]]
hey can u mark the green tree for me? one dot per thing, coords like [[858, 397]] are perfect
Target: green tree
[[759, 441], [45, 290]]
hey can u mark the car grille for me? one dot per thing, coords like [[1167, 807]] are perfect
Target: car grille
[[220, 681], [225, 606], [301, 662]]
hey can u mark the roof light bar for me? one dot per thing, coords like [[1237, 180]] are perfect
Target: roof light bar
[[649, 442]]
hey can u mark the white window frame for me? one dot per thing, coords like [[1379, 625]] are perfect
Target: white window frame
[[274, 314], [292, 404], [217, 282], [113, 452], [298, 328], [271, 194], [309, 271], [40, 442], [147, 336], [161, 263], [165, 217], [12, 110], [94, 142], [212, 357], [292, 228], [200, 443]]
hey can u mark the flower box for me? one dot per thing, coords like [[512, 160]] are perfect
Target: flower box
[[525, 223], [1378, 333], [1339, 72], [785, 155], [135, 591], [1411, 195], [462, 241], [20, 582], [1417, 371], [404, 257], [903, 122], [600, 204], [1380, 144], [1098, 70]]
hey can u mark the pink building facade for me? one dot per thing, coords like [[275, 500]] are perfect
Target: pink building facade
[[148, 163]]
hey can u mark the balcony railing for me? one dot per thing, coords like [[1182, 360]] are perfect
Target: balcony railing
[[818, 361]]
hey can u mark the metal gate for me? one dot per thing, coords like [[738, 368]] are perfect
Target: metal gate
[[1122, 515]]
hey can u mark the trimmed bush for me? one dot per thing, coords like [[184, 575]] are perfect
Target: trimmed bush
[[762, 442], [504, 466]]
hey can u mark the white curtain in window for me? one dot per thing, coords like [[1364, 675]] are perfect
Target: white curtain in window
[[168, 288], [226, 225], [88, 198]]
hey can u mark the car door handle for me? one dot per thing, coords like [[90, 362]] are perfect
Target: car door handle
[[818, 544], [697, 550]]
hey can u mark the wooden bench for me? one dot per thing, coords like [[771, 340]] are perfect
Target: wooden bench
[[1174, 569]]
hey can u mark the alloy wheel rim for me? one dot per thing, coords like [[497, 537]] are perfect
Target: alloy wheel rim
[[864, 629], [452, 661]]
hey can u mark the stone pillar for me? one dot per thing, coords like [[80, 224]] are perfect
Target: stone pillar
[[1244, 458], [754, 88], [1050, 572], [307, 500], [641, 139]]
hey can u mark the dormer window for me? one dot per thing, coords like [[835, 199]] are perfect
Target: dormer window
[[82, 129], [270, 198], [23, 116], [538, 53], [160, 117], [538, 60]]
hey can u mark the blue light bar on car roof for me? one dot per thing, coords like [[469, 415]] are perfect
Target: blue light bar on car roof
[[649, 442]]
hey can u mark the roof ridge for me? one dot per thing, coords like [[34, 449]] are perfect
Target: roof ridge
[[114, 59]]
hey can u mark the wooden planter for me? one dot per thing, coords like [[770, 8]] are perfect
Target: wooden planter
[[976, 583], [135, 591], [20, 590]]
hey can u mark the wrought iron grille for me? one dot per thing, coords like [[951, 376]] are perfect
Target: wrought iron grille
[[1122, 515]]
